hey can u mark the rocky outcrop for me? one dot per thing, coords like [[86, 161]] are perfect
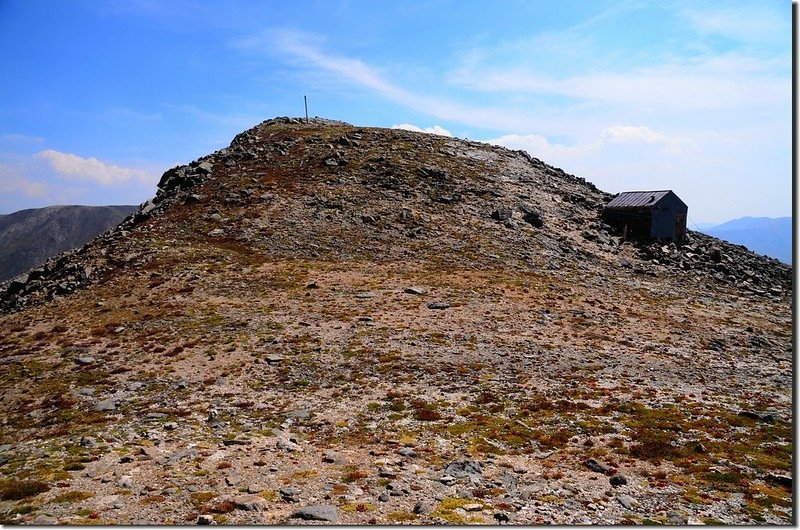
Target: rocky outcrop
[[403, 184]]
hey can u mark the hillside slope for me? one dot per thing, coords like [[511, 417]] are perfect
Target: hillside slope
[[29, 237], [358, 325]]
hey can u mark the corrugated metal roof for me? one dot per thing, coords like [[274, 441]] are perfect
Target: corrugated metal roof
[[637, 199]]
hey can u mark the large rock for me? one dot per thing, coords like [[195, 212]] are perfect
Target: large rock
[[318, 512]]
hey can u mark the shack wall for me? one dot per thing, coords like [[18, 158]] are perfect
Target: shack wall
[[669, 219]]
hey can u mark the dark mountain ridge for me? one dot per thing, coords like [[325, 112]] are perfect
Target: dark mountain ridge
[[29, 237], [763, 235]]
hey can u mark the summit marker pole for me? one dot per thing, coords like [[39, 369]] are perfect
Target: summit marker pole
[[305, 102]]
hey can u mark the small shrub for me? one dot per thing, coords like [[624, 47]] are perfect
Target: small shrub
[[653, 444], [400, 517], [73, 496], [201, 497], [226, 506], [12, 490]]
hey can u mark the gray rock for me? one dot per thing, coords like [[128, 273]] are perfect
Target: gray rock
[[415, 290], [217, 232], [177, 456], [438, 305], [235, 441], [407, 452], [676, 517], [288, 445], [618, 480], [332, 457], [626, 501], [383, 497], [234, 478], [289, 494], [125, 481], [251, 503], [780, 480], [387, 472], [318, 512], [152, 453], [88, 441], [464, 468], [595, 466], [531, 215], [44, 520], [83, 361], [98, 468], [298, 414], [502, 213], [423, 508], [205, 520]]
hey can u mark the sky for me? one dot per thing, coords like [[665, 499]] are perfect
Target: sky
[[99, 98]]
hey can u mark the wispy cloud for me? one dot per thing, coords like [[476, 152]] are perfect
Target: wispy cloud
[[569, 155], [21, 139], [10, 183], [704, 83], [640, 134], [436, 129], [307, 48], [749, 22], [76, 167]]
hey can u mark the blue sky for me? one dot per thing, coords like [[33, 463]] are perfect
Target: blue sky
[[100, 97]]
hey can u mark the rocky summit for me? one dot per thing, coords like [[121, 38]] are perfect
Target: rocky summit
[[330, 324]]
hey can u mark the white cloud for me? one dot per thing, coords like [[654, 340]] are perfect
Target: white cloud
[[755, 23], [91, 169], [21, 139], [711, 83], [436, 129], [540, 147], [621, 134], [22, 185]]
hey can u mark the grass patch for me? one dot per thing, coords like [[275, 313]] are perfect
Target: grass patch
[[73, 496], [13, 490]]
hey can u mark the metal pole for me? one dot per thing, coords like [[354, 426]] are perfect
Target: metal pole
[[305, 101]]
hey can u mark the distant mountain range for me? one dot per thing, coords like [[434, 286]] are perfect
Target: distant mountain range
[[29, 237], [764, 235]]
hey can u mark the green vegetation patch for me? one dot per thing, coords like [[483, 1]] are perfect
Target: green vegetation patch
[[73, 496], [12, 490]]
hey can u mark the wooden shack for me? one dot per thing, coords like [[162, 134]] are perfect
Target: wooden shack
[[648, 215]]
